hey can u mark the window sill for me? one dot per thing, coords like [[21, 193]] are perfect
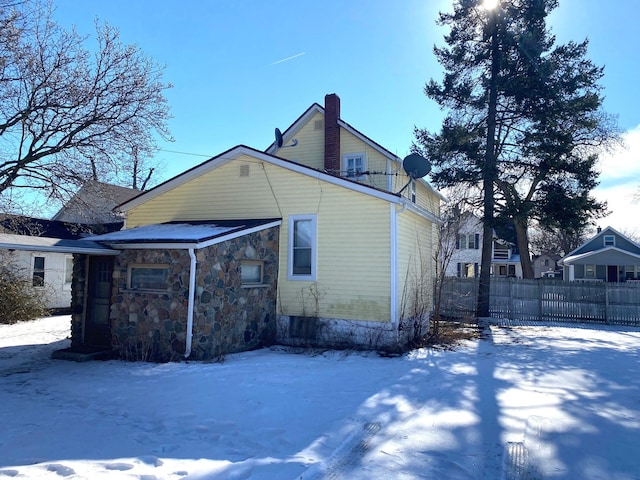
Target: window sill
[[138, 290], [254, 285]]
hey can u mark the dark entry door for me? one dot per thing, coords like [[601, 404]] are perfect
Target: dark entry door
[[612, 273], [97, 327]]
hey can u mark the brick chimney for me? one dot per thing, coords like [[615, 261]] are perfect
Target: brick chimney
[[331, 134]]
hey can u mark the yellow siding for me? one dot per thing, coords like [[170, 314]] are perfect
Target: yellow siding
[[353, 277], [376, 162], [310, 151], [310, 148], [416, 267], [425, 197]]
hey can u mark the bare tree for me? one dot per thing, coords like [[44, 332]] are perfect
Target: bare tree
[[448, 230], [70, 113]]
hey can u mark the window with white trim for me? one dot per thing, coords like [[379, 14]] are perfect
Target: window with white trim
[[68, 270], [252, 272], [302, 247], [38, 272], [148, 277], [354, 165], [609, 241], [589, 271]]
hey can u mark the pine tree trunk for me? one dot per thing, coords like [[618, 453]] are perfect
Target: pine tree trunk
[[522, 239]]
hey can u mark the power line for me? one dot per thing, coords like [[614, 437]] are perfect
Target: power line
[[185, 153]]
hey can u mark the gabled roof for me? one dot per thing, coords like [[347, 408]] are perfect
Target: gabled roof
[[240, 150], [94, 203], [604, 253], [303, 119], [596, 245], [316, 108], [198, 234]]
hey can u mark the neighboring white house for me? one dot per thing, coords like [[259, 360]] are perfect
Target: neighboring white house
[[43, 249], [39, 249], [466, 260]]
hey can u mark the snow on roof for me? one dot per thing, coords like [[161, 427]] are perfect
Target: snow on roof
[[183, 232], [49, 244]]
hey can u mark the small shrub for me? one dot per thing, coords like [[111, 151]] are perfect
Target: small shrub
[[19, 301]]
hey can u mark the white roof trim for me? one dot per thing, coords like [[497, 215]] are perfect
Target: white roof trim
[[240, 150], [132, 245], [603, 232], [52, 245], [572, 258]]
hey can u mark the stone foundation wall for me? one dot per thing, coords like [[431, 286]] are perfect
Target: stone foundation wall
[[339, 333]]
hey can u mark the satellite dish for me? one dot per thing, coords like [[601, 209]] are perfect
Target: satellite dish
[[279, 140], [416, 165]]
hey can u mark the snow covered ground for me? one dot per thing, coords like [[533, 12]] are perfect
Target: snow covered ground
[[526, 402]]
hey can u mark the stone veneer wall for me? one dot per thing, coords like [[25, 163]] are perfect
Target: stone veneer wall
[[227, 316], [78, 293]]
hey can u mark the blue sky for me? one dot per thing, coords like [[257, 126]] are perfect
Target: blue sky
[[241, 68]]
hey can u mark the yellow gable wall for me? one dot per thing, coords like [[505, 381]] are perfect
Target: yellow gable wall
[[310, 151], [353, 277], [416, 267], [310, 148]]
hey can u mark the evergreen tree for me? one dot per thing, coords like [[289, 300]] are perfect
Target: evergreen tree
[[548, 125]]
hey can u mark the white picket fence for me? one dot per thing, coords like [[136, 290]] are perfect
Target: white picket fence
[[547, 300]]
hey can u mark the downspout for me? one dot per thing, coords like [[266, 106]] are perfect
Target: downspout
[[190, 307]]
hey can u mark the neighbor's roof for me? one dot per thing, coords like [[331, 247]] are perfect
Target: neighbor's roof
[[55, 245], [183, 234]]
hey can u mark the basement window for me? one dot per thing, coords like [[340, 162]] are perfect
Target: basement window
[[252, 273], [148, 277]]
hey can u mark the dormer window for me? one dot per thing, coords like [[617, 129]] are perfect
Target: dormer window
[[354, 165], [609, 241]]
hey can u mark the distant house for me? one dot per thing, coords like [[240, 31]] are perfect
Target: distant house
[[607, 257], [95, 204], [322, 239], [43, 249], [466, 260], [546, 266]]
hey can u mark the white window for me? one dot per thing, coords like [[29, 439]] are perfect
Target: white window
[[354, 165], [38, 272], [590, 271], [148, 277], [68, 269], [251, 272], [302, 247], [462, 242], [609, 241], [473, 241]]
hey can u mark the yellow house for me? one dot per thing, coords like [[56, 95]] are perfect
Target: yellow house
[[356, 233]]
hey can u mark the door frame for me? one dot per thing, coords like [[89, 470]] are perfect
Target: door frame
[[89, 303]]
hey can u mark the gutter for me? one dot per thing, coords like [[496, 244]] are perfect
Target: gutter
[[192, 294]]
